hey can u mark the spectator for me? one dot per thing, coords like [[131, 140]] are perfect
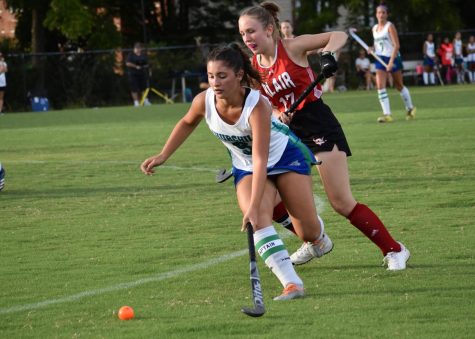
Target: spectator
[[363, 70], [137, 66], [3, 80], [446, 54]]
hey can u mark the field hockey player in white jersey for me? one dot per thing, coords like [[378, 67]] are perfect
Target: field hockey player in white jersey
[[428, 50], [267, 159], [386, 46]]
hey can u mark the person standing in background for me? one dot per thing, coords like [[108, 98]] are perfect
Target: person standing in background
[[287, 29], [137, 69], [458, 58], [428, 50], [446, 54], [386, 46], [3, 80], [471, 59]]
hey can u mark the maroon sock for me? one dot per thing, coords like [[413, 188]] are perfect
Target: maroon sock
[[364, 219], [281, 215]]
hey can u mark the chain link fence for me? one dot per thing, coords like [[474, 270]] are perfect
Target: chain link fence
[[98, 78]]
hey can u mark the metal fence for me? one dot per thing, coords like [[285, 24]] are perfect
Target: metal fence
[[98, 78]]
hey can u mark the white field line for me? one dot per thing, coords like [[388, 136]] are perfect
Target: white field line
[[113, 162], [123, 286], [154, 278]]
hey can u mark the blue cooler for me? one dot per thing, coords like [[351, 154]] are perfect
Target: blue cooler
[[39, 104]]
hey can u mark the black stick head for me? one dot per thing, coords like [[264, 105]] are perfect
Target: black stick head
[[222, 175], [258, 311]]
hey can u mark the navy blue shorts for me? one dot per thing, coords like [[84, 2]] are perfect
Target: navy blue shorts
[[397, 65], [296, 158], [428, 61]]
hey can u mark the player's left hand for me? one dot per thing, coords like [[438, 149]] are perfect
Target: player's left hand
[[328, 64], [286, 118]]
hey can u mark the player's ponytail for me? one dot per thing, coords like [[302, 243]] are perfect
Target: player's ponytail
[[251, 76]]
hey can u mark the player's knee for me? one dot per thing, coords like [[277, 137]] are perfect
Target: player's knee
[[342, 206]]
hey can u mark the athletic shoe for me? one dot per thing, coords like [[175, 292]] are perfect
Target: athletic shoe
[[411, 114], [309, 250], [2, 177], [291, 291], [396, 261], [147, 102], [385, 118]]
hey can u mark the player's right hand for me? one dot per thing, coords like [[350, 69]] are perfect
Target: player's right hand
[[148, 165]]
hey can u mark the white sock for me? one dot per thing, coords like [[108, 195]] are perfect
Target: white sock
[[432, 78], [470, 76], [322, 229], [136, 103], [384, 101], [272, 250], [425, 77], [406, 97]]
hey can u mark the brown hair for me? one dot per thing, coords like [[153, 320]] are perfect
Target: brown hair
[[267, 14], [234, 57]]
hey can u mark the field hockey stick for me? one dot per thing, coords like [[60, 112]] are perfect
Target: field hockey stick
[[437, 71], [222, 175], [365, 46], [256, 289], [304, 94]]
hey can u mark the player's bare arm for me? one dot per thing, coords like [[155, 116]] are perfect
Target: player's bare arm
[[180, 133]]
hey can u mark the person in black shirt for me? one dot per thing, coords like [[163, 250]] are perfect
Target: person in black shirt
[[137, 67]]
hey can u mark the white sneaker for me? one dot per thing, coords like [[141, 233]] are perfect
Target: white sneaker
[[396, 261], [308, 250], [147, 102]]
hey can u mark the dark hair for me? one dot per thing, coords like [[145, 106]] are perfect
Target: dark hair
[[382, 4], [267, 14], [138, 45], [235, 58]]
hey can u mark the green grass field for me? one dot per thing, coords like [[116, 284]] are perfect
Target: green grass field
[[84, 232]]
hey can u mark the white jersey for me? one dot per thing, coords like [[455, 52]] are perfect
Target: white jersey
[[430, 49], [238, 137], [363, 63], [383, 45], [471, 52], [458, 48], [3, 79]]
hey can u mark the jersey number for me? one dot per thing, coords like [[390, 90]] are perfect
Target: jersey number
[[245, 147], [289, 98]]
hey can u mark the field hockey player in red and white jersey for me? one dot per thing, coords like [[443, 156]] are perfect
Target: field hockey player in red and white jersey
[[285, 71]]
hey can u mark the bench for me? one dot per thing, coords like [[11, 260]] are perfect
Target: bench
[[412, 69]]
